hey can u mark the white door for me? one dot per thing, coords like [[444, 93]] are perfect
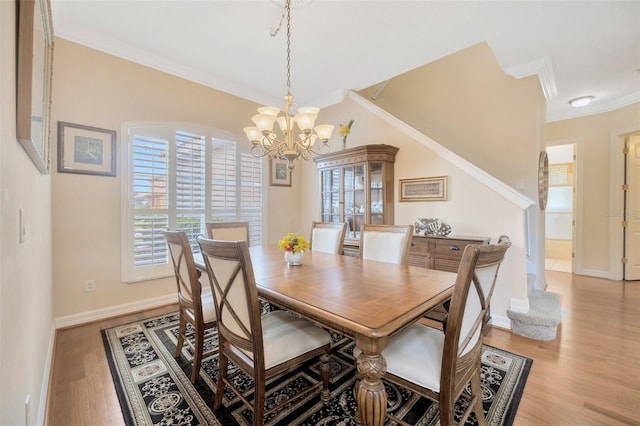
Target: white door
[[632, 210]]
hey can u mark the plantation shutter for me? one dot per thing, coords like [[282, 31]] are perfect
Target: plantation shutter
[[177, 178], [190, 185], [223, 181], [150, 200], [251, 195]]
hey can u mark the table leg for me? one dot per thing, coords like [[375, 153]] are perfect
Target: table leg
[[371, 397]]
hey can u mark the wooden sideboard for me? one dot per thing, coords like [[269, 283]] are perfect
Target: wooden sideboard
[[431, 252], [441, 253]]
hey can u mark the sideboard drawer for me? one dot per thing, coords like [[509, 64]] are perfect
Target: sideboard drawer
[[450, 249]]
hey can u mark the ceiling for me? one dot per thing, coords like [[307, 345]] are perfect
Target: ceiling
[[576, 48]]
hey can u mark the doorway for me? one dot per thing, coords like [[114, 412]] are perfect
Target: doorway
[[631, 210], [560, 211]]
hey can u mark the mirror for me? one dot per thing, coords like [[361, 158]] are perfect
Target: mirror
[[35, 57]]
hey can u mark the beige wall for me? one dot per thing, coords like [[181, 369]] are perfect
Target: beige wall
[[466, 103], [95, 89], [594, 134], [25, 269], [471, 208]]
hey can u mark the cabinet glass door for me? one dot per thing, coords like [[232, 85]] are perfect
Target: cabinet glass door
[[330, 195], [354, 199], [376, 193]]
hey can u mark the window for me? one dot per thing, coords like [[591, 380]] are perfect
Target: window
[[180, 178]]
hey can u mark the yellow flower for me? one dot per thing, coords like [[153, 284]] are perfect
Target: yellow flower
[[293, 242], [345, 130]]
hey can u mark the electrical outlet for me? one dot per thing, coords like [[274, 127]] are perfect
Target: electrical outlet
[[89, 285], [27, 411]]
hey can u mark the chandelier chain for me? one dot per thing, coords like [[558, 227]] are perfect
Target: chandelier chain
[[293, 144], [288, 7]]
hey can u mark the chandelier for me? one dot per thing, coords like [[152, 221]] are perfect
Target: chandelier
[[293, 144]]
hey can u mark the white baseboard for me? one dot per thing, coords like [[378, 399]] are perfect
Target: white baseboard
[[500, 321], [594, 273], [114, 311]]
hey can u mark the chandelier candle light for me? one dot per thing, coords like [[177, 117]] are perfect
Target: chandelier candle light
[[295, 144]]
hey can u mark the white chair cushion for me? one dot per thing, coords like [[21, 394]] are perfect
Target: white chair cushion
[[383, 246], [286, 336], [326, 240], [415, 355]]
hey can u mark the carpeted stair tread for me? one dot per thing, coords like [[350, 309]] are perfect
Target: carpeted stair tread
[[542, 319]]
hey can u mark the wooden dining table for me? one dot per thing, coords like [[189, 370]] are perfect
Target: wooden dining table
[[365, 300]]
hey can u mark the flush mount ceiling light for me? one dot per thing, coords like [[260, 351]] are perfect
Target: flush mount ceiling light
[[293, 144], [581, 101]]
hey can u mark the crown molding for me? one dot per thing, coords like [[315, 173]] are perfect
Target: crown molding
[[543, 68], [622, 102]]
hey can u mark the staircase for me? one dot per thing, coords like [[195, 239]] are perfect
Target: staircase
[[541, 322]]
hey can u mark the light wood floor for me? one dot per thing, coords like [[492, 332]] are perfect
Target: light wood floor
[[589, 375]]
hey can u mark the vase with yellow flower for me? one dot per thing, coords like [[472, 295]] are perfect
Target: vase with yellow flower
[[293, 246], [345, 130]]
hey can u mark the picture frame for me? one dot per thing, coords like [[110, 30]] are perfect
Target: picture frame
[[34, 74], [424, 189], [279, 173], [86, 150]]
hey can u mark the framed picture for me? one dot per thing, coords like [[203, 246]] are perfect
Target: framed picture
[[279, 173], [424, 189], [33, 104], [86, 150]]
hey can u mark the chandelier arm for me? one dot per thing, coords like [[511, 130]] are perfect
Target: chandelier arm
[[322, 151], [258, 151]]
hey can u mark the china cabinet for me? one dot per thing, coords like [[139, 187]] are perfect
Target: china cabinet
[[356, 187]]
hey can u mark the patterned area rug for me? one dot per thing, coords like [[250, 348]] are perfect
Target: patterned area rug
[[154, 387]]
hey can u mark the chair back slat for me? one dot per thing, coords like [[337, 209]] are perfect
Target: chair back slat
[[235, 294], [189, 288]]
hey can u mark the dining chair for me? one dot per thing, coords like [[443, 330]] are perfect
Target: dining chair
[[386, 243], [328, 237], [440, 313], [261, 346], [439, 364], [232, 231], [196, 307]]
